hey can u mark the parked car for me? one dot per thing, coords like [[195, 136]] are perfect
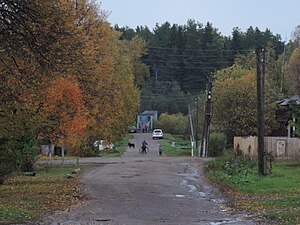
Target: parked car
[[157, 133], [131, 129]]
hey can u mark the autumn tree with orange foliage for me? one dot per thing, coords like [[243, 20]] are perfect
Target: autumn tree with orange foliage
[[66, 113]]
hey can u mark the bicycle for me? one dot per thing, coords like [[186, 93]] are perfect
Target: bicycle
[[143, 151]]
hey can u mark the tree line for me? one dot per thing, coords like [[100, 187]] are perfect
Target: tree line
[[182, 57]]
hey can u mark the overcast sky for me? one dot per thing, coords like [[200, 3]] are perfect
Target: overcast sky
[[280, 16]]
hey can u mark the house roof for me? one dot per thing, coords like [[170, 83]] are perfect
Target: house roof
[[152, 113], [295, 100]]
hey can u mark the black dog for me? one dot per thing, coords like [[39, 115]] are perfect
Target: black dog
[[130, 144]]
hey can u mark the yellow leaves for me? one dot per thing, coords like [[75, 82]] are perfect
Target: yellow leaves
[[117, 98], [294, 60], [292, 78], [234, 101], [281, 208], [249, 205], [234, 71]]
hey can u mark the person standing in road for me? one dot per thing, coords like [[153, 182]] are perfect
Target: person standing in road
[[159, 150]]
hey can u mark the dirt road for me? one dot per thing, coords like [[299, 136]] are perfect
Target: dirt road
[[147, 189]]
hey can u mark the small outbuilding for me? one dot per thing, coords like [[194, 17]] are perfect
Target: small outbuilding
[[286, 113]]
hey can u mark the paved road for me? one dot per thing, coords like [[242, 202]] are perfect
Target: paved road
[[148, 189]]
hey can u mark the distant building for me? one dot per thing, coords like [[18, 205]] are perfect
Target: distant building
[[145, 121]]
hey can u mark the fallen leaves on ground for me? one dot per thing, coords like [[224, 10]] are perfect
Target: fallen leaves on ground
[[282, 208], [39, 195]]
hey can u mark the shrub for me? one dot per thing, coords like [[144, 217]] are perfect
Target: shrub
[[228, 169], [174, 124], [25, 150], [217, 144], [7, 160], [17, 154]]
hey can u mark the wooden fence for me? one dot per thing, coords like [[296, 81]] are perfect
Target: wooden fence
[[277, 146]]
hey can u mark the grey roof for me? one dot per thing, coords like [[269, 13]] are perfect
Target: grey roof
[[152, 113], [149, 112], [295, 100]]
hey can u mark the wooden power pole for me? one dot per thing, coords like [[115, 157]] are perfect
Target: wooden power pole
[[260, 71], [207, 119]]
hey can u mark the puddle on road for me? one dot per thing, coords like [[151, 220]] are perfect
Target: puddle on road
[[180, 196], [183, 182], [193, 176], [70, 222], [222, 222], [202, 194], [192, 188], [229, 221], [103, 220], [218, 201]]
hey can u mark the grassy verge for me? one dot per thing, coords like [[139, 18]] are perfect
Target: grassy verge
[[54, 157], [120, 148], [182, 147], [27, 198], [275, 197]]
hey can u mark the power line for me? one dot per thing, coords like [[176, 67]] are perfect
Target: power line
[[189, 67], [185, 55], [200, 50], [187, 61]]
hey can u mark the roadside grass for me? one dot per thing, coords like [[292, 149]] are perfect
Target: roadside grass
[[275, 196], [120, 148], [54, 157], [111, 153], [28, 198], [182, 147]]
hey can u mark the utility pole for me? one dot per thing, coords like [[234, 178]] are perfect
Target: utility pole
[[263, 76], [192, 131], [260, 70], [197, 123], [207, 118]]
